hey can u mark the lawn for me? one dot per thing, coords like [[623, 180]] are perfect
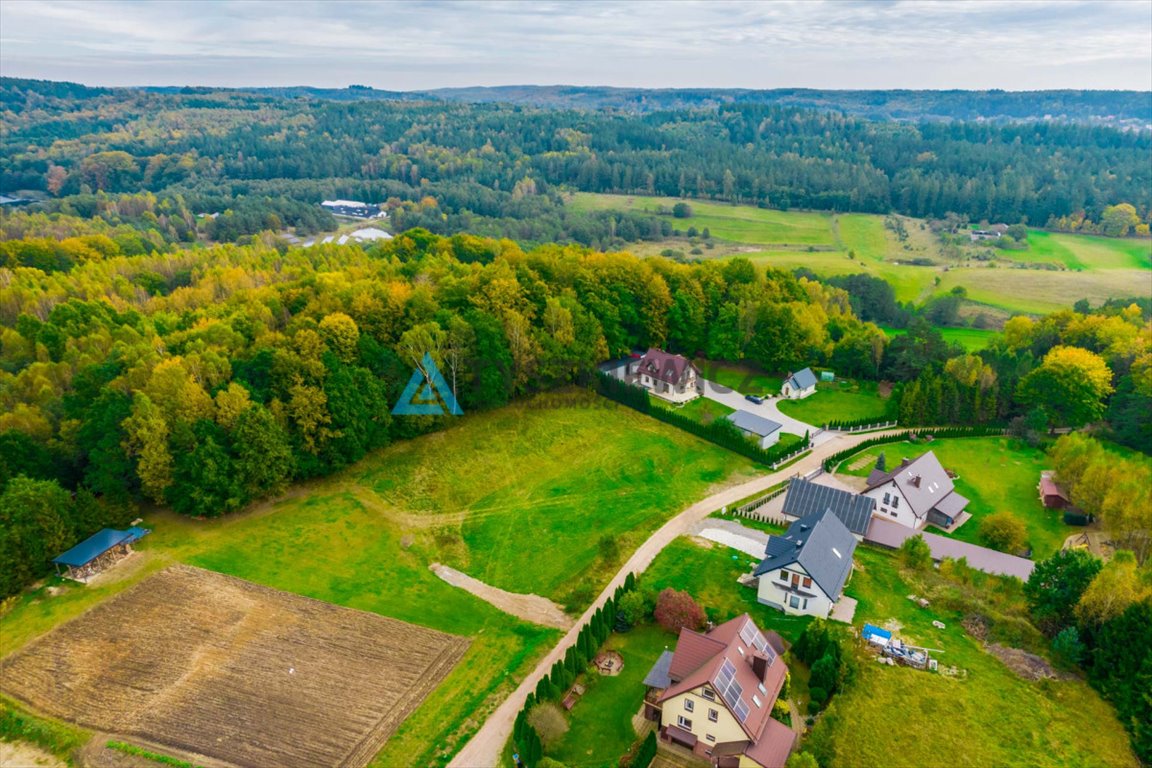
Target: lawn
[[708, 571], [600, 725], [993, 717], [743, 378], [482, 496], [996, 474], [701, 410], [971, 339], [1097, 268], [843, 400]]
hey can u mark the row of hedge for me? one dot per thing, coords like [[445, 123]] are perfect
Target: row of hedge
[[834, 460], [721, 431], [563, 674]]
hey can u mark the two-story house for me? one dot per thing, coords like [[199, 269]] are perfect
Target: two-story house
[[804, 571], [714, 696], [917, 493], [671, 377]]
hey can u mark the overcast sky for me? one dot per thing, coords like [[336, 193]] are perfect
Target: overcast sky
[[415, 45]]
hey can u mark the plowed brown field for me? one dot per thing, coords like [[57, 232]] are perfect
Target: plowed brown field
[[203, 663]]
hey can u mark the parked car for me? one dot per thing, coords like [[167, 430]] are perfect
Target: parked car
[[754, 399]]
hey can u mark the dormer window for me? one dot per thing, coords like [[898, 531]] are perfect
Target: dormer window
[[708, 694]]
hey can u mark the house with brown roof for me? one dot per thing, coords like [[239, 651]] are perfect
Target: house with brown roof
[[1051, 494], [671, 377], [714, 695], [917, 493]]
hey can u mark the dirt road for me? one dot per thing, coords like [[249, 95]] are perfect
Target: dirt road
[[533, 608], [483, 750]]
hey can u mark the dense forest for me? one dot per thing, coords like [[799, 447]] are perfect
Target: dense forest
[[260, 160]]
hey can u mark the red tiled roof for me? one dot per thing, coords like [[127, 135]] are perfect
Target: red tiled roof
[[709, 652], [771, 750], [1048, 487]]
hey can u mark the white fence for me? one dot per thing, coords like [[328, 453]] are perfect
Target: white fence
[[867, 427]]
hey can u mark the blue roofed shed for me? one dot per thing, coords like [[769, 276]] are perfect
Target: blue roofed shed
[[84, 559], [875, 634]]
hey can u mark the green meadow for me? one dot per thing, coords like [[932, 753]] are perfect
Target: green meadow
[[1095, 268]]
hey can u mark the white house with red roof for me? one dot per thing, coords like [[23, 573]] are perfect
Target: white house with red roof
[[714, 695], [671, 377]]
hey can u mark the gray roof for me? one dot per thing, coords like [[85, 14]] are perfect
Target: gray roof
[[807, 498], [923, 482], [802, 379], [821, 544], [658, 676], [750, 422]]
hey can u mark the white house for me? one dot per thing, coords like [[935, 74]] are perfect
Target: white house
[[799, 385], [671, 377], [764, 432], [714, 695], [804, 571], [917, 493]]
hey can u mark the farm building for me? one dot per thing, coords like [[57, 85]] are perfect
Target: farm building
[[764, 431], [97, 552], [799, 385], [1051, 494], [669, 377], [917, 493], [804, 571], [805, 497], [353, 209], [714, 695]]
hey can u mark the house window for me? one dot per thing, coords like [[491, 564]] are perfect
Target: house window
[[713, 715], [805, 606], [689, 705], [684, 723], [708, 694], [887, 498], [893, 513], [783, 575], [895, 502], [710, 737], [794, 602], [807, 581]]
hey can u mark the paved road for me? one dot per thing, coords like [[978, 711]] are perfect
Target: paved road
[[483, 750], [767, 409]]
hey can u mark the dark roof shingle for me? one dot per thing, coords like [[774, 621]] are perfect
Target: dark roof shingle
[[821, 544], [805, 498]]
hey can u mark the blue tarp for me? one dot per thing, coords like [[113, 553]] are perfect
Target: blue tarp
[[870, 631], [97, 544]]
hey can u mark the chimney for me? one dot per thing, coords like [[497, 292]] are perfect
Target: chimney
[[916, 481], [760, 666]]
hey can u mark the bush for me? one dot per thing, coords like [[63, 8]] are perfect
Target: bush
[[915, 553], [802, 760], [1068, 648], [816, 699], [646, 752], [549, 722], [681, 211], [677, 610], [826, 673], [636, 606], [1004, 531]]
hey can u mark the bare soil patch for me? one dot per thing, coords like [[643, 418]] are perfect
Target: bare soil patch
[[20, 754], [1027, 665], [196, 662]]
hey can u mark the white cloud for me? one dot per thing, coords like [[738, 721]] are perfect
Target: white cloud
[[410, 45]]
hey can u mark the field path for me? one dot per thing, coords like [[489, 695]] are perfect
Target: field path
[[533, 608], [484, 748]]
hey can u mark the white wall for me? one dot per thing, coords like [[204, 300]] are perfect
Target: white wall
[[897, 504], [770, 592]]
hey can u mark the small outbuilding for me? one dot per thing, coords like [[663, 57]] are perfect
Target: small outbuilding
[[1051, 494], [799, 385], [97, 552], [764, 431]]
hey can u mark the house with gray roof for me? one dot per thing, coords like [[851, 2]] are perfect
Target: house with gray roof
[[916, 493], [805, 497], [803, 572], [799, 385], [764, 432]]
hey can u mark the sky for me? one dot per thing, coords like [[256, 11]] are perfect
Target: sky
[[1009, 44]]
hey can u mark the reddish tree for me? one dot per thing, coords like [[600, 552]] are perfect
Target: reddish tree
[[677, 610]]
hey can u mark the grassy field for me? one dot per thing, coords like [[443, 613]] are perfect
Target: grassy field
[[842, 400], [997, 474], [600, 725], [971, 339], [1095, 268], [742, 378], [993, 717], [701, 409], [483, 496]]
